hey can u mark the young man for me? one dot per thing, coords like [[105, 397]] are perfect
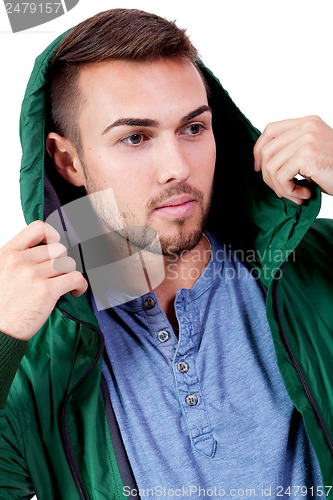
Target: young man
[[218, 379]]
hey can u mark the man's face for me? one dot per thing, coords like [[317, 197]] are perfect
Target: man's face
[[146, 132]]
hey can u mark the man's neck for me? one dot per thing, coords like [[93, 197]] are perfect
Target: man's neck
[[182, 272]]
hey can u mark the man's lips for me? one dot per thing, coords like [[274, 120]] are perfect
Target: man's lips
[[180, 206]]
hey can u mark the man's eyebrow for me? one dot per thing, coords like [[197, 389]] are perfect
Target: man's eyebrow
[[132, 122], [196, 112], [147, 122]]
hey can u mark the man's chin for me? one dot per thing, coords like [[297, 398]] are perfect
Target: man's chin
[[181, 243]]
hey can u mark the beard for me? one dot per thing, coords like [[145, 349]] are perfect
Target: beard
[[121, 223], [183, 240]]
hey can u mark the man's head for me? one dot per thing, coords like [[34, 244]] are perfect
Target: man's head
[[130, 112], [117, 34]]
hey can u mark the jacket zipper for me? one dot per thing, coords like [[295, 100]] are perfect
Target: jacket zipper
[[118, 446], [65, 435], [298, 368]]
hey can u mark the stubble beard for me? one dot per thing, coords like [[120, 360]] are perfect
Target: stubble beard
[[145, 237]]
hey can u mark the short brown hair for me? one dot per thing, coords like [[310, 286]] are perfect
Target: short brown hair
[[126, 34]]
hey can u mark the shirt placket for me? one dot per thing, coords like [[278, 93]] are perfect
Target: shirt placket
[[187, 380]]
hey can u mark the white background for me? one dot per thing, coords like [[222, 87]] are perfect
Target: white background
[[273, 56]]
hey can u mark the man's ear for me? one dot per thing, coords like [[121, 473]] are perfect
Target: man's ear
[[65, 159]]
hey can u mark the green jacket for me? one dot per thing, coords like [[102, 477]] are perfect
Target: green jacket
[[59, 438]]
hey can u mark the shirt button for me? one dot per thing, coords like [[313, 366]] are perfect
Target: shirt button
[[149, 303], [191, 399], [163, 336], [183, 366]]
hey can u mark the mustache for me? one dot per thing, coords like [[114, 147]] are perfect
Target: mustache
[[182, 188]]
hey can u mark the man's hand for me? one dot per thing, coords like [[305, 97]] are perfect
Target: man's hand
[[32, 278], [298, 146]]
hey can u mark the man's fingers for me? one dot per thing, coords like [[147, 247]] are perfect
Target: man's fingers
[[277, 135], [278, 149], [291, 147], [283, 153], [35, 272], [35, 233], [282, 181], [43, 253], [294, 192], [281, 169], [73, 282], [268, 143], [56, 267]]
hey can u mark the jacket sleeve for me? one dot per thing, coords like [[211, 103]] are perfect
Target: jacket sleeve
[[15, 480], [14, 477], [11, 352]]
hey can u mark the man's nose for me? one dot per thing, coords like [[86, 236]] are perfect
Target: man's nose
[[172, 162]]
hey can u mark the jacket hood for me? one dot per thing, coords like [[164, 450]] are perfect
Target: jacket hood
[[245, 213]]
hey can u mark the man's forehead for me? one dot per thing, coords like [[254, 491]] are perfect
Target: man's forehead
[[125, 89], [136, 73]]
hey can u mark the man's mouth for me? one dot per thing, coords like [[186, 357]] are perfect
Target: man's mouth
[[177, 207]]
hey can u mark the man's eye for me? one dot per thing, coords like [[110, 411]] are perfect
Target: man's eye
[[133, 140], [194, 129]]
